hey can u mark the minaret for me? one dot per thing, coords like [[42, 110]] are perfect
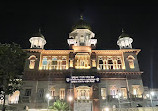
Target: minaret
[[82, 35], [124, 41], [37, 40]]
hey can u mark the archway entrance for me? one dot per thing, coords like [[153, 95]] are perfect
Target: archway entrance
[[83, 95]]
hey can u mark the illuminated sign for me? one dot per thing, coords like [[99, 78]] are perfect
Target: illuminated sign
[[83, 79]]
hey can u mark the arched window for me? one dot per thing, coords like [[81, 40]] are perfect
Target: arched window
[[136, 90], [103, 93], [62, 93], [40, 93], [119, 63], [100, 61], [44, 63], [131, 61], [82, 61], [100, 64], [110, 64], [32, 59], [54, 63], [52, 91], [32, 64], [113, 91], [63, 63], [82, 38]]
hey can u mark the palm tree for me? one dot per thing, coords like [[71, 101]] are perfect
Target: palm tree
[[60, 105]]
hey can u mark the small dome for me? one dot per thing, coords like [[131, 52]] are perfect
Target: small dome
[[81, 24], [38, 34], [123, 34]]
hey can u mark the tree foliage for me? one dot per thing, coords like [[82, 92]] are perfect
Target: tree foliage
[[12, 60], [60, 105]]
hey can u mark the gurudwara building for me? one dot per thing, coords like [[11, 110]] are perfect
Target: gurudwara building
[[88, 79]]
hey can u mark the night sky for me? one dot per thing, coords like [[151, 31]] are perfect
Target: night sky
[[20, 19]]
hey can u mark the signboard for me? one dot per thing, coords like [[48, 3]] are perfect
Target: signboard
[[83, 79]]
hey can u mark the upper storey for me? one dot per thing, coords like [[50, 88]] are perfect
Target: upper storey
[[82, 55], [102, 60]]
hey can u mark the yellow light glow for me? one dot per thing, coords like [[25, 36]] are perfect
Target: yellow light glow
[[70, 98], [93, 63], [32, 64], [106, 109]]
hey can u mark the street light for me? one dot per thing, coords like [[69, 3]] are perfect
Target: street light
[[70, 98], [151, 94], [118, 97], [106, 109], [49, 97]]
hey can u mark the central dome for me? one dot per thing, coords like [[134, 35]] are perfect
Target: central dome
[[38, 34], [81, 24], [123, 34]]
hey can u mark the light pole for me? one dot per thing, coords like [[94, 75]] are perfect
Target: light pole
[[70, 98], [49, 97], [151, 94], [106, 109], [118, 97]]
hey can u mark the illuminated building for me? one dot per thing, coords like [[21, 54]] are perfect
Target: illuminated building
[[94, 79]]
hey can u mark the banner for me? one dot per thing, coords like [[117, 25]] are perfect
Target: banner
[[82, 79]]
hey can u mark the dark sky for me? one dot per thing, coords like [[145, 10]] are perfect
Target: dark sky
[[20, 19]]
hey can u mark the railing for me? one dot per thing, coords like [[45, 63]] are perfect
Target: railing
[[51, 67], [106, 109], [110, 66], [132, 109], [113, 109]]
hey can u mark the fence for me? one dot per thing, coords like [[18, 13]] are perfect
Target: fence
[[133, 109], [106, 109]]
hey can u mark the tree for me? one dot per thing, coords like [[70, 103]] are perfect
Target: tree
[[60, 105], [12, 60]]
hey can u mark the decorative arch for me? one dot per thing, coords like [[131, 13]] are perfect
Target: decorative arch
[[32, 59], [100, 63], [131, 59], [52, 91]]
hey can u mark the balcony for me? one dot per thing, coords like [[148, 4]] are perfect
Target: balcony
[[110, 67]]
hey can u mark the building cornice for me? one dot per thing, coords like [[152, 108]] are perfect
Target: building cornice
[[33, 50], [56, 51], [122, 73], [116, 51], [43, 51]]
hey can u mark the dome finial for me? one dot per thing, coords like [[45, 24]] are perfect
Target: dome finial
[[123, 30], [81, 17], [39, 30]]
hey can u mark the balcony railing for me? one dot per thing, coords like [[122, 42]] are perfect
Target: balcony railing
[[110, 66]]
